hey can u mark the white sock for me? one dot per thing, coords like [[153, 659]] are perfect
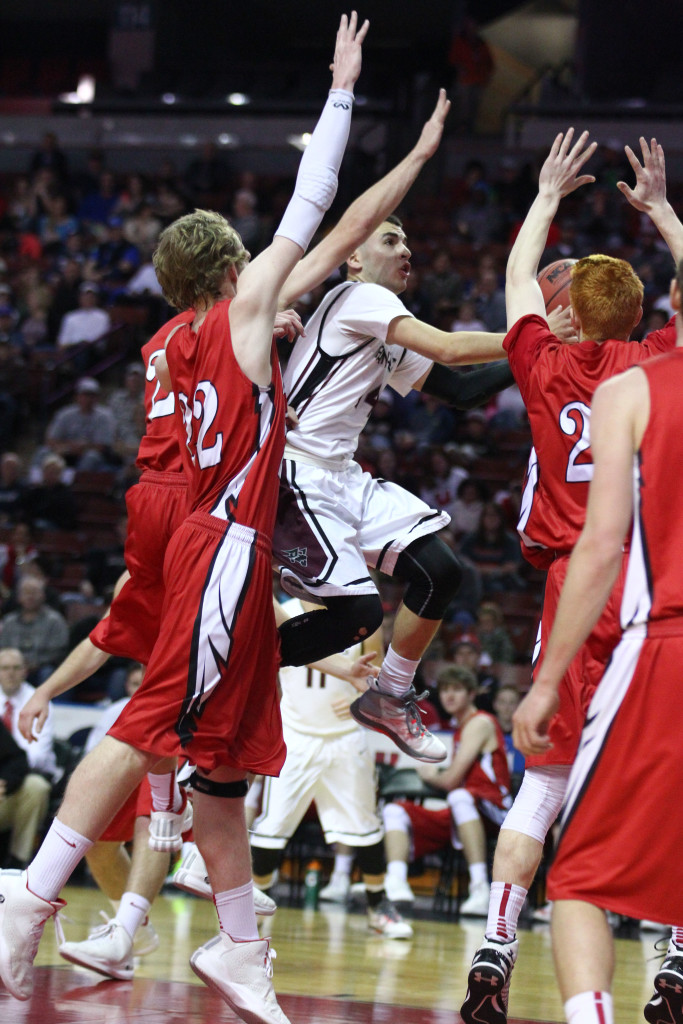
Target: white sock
[[478, 873], [236, 915], [51, 868], [396, 674], [398, 869], [505, 906], [589, 1008], [343, 862], [132, 912], [166, 795]]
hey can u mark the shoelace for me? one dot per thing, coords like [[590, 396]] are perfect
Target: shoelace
[[414, 714], [268, 962]]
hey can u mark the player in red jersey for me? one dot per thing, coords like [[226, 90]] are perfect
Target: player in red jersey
[[557, 383], [619, 846], [210, 688], [475, 786]]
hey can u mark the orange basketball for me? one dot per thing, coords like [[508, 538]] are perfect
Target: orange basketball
[[554, 281]]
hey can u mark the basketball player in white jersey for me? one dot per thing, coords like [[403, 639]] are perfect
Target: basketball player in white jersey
[[334, 520]]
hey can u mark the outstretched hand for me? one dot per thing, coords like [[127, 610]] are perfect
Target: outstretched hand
[[560, 173], [346, 64], [650, 187], [430, 137], [361, 670], [288, 325]]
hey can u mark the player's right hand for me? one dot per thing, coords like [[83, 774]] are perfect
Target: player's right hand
[[346, 64], [32, 717]]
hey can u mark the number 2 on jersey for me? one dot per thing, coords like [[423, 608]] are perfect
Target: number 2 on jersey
[[577, 472]]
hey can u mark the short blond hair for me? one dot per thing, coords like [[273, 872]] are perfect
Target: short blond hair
[[194, 255], [607, 296]]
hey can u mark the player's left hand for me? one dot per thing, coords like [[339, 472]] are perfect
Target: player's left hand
[[288, 325], [341, 708], [430, 137], [531, 720], [650, 187]]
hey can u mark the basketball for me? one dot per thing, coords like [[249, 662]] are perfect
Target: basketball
[[554, 281]]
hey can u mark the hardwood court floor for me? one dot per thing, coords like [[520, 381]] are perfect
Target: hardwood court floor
[[330, 969]]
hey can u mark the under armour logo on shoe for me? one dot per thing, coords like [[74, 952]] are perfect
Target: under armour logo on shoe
[[297, 555]]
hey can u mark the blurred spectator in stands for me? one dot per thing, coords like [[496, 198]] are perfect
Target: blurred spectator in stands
[[66, 287], [465, 510], [113, 261], [430, 422], [34, 329], [22, 208], [50, 503], [9, 325], [510, 411], [169, 203], [505, 703], [38, 631], [24, 799], [15, 691], [494, 639], [489, 297], [387, 467], [12, 488], [134, 192], [567, 246], [246, 220], [50, 156], [105, 564], [467, 654], [509, 501], [88, 323], [414, 297], [442, 285], [56, 224], [472, 63], [600, 221], [13, 382], [142, 229], [207, 177], [15, 555], [86, 180], [478, 220], [473, 437], [95, 208], [84, 432], [466, 318], [494, 552], [128, 409], [442, 479]]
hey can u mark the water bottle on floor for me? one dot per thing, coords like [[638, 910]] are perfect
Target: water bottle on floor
[[312, 885]]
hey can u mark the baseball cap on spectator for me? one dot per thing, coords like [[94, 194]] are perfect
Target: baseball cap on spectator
[[135, 368], [467, 640], [87, 386], [89, 286]]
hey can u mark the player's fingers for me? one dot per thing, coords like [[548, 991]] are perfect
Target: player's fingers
[[632, 159], [362, 31]]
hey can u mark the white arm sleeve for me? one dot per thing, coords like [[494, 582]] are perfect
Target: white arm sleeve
[[316, 182]]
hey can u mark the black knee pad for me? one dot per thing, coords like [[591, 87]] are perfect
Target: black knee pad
[[343, 622], [371, 859], [264, 861], [433, 574], [227, 790]]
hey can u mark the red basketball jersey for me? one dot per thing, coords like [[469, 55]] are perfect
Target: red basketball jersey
[[489, 776], [232, 430], [159, 448], [557, 382], [653, 588]]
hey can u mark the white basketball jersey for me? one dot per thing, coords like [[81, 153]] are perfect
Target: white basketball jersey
[[307, 695], [336, 372]]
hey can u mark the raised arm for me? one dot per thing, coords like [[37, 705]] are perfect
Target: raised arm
[[367, 212], [649, 194], [449, 348], [253, 310], [559, 176]]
